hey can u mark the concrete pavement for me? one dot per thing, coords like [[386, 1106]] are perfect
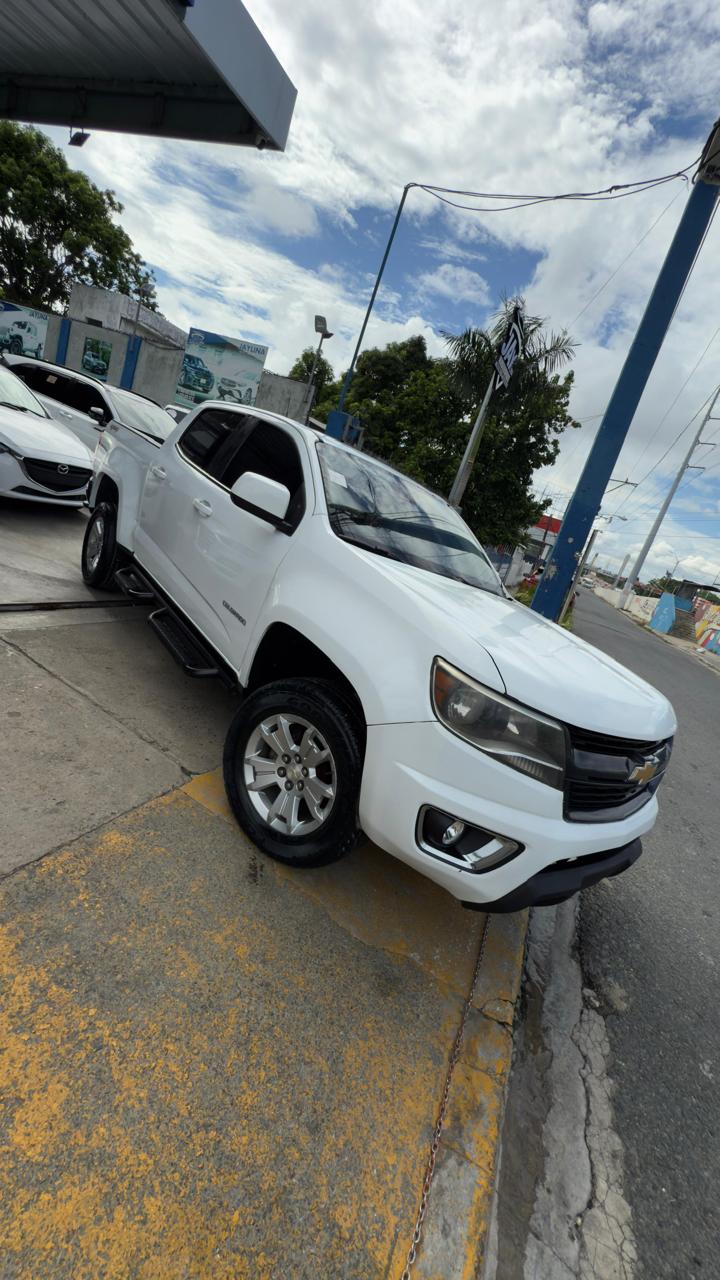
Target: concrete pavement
[[211, 1065]]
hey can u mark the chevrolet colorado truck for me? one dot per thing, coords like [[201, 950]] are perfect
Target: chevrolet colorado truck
[[390, 684]]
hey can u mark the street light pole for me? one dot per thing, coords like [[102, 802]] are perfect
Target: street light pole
[[373, 295], [684, 466], [322, 329]]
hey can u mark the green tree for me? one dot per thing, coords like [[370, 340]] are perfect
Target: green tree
[[57, 227], [418, 412], [302, 369]]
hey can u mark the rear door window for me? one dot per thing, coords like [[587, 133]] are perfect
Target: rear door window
[[81, 396], [212, 439]]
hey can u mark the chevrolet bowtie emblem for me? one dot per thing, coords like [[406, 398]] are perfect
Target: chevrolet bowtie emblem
[[644, 772]]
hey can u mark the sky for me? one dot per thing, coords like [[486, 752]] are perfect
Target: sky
[[544, 96]]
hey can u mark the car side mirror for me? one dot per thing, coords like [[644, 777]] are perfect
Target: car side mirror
[[262, 497], [98, 415]]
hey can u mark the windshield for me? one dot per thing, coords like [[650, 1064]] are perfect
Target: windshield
[[141, 414], [16, 395], [378, 509]]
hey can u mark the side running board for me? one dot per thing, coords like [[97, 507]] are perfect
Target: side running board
[[185, 648], [135, 585]]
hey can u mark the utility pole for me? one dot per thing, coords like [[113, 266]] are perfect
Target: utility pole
[[585, 502], [685, 465], [578, 573], [622, 570]]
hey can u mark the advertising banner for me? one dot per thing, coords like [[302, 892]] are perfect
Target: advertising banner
[[96, 357], [218, 368], [22, 330]]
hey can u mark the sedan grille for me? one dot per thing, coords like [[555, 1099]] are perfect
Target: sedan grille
[[610, 778], [56, 475]]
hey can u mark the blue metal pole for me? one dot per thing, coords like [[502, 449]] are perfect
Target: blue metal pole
[[586, 501], [373, 295]]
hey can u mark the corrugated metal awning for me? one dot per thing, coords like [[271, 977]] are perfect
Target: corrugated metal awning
[[198, 70]]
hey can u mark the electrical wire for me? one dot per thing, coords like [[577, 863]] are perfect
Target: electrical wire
[[620, 265], [618, 191]]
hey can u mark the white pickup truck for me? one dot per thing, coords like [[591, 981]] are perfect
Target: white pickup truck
[[391, 685]]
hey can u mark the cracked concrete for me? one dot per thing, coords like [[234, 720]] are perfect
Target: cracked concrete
[[560, 1213]]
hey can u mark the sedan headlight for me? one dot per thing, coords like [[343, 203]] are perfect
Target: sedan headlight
[[511, 734]]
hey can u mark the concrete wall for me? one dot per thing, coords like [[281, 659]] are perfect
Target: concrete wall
[[117, 341], [157, 372], [282, 395], [664, 615], [116, 311]]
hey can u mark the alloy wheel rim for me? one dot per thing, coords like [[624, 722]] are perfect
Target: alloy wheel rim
[[289, 774], [95, 543]]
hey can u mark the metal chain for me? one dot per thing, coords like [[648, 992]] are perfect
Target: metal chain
[[430, 1169]]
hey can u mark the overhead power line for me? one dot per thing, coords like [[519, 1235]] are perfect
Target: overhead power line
[[618, 191]]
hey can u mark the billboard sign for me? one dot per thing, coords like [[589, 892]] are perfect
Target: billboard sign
[[215, 367], [22, 330]]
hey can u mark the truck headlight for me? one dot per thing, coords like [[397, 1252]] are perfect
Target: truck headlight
[[513, 735]]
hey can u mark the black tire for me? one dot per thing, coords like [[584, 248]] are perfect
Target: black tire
[[332, 714], [100, 562]]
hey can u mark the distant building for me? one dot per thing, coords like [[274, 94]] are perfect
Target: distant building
[[541, 539], [110, 310]]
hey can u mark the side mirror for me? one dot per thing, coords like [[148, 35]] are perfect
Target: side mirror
[[98, 415], [262, 497]]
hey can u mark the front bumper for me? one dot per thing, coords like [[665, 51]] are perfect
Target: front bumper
[[408, 766], [15, 483]]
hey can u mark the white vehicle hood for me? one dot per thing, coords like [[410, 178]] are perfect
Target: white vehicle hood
[[541, 664], [35, 437]]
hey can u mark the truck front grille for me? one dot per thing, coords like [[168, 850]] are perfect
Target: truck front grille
[[600, 786], [55, 475]]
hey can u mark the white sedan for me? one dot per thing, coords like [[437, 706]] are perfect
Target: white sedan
[[40, 460]]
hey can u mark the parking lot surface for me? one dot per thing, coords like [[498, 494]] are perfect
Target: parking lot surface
[[213, 1065]]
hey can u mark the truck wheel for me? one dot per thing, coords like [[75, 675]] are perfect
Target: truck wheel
[[292, 766], [100, 555]]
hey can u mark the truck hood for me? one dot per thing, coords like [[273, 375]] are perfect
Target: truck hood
[[541, 664], [35, 437]]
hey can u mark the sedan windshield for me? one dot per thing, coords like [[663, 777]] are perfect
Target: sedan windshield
[[143, 415], [382, 511], [15, 395]]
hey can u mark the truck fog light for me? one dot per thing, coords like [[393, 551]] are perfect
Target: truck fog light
[[453, 832], [461, 844]]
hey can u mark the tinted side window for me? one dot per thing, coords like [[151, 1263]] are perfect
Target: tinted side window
[[76, 395], [270, 451], [213, 438]]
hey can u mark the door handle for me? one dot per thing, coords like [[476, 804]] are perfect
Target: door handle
[[159, 472], [202, 507], [64, 414]]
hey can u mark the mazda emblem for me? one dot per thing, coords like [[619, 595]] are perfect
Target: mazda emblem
[[63, 469]]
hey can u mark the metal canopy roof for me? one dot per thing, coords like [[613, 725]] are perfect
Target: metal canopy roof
[[197, 69]]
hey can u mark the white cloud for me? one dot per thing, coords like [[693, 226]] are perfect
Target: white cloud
[[607, 19], [457, 283]]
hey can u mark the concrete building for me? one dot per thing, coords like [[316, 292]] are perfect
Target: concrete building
[[112, 310]]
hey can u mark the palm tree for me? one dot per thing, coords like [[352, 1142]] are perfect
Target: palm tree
[[473, 352]]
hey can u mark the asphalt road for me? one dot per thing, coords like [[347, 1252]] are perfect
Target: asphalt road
[[650, 944]]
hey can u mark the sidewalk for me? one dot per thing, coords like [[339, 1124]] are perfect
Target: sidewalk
[[213, 1066]]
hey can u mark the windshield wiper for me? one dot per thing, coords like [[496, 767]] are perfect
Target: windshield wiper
[[8, 404]]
